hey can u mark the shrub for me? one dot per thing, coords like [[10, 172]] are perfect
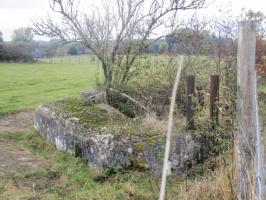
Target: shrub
[[16, 52], [72, 51]]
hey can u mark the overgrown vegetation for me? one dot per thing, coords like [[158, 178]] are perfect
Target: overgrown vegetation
[[151, 88], [217, 140]]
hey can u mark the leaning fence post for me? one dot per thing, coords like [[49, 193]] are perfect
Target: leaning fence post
[[190, 102], [249, 153], [214, 99]]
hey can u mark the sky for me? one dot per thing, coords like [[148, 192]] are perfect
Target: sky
[[21, 13]]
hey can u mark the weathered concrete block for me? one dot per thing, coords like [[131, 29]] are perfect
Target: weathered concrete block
[[94, 95], [102, 148]]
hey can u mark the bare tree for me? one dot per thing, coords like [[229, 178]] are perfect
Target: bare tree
[[23, 34], [117, 32]]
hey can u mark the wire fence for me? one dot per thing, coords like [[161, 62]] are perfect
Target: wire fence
[[80, 59], [249, 150]]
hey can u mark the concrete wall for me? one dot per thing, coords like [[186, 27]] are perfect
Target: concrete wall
[[101, 149]]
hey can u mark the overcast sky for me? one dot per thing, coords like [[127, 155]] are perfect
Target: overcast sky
[[20, 13]]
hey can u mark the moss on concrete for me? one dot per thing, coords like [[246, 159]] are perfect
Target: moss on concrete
[[91, 115], [87, 113]]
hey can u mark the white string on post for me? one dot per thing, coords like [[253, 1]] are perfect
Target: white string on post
[[166, 164]]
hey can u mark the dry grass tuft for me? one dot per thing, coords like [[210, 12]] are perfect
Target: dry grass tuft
[[152, 122], [218, 184]]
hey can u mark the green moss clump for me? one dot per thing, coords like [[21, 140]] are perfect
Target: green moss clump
[[141, 163], [92, 115], [139, 147], [150, 141], [89, 114]]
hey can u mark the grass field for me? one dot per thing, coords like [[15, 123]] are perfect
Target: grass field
[[24, 86], [79, 59]]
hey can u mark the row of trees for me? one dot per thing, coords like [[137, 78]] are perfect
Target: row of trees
[[23, 48], [189, 41], [19, 50], [57, 47], [182, 41]]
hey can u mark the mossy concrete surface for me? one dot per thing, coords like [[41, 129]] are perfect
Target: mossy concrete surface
[[104, 137]]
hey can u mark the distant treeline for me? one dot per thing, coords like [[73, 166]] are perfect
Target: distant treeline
[[23, 48], [190, 42], [15, 52], [19, 49]]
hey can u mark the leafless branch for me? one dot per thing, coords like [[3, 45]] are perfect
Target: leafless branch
[[117, 32]]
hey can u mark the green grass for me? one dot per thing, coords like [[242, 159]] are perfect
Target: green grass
[[81, 182], [35, 173], [69, 177], [79, 59], [24, 86]]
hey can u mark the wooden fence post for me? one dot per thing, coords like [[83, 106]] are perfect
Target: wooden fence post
[[214, 99], [247, 141], [190, 103], [200, 95]]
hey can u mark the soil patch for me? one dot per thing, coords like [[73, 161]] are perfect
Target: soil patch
[[22, 174], [18, 122]]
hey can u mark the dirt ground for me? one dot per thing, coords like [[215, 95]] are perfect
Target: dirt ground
[[12, 157], [16, 159], [22, 175], [19, 122]]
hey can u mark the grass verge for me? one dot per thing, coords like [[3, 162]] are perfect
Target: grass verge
[[70, 178]]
